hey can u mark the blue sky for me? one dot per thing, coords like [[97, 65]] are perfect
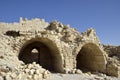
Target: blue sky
[[103, 15]]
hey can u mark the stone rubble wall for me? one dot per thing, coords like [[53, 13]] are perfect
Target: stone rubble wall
[[25, 72], [113, 65], [62, 39]]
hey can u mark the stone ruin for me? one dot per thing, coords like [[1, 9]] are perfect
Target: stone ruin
[[38, 47]]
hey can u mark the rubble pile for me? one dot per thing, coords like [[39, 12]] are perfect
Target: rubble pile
[[31, 48], [25, 72]]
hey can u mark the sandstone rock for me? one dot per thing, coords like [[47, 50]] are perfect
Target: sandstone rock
[[53, 25], [13, 75], [30, 66], [35, 77], [7, 77], [34, 63], [59, 30], [20, 76], [31, 72], [27, 70], [43, 32], [69, 39], [60, 25], [29, 76], [78, 71], [89, 73], [67, 26], [97, 78], [46, 74], [40, 76], [37, 72], [73, 71], [37, 66], [42, 70]]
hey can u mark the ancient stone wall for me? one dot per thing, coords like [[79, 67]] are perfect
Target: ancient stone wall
[[113, 62], [59, 48]]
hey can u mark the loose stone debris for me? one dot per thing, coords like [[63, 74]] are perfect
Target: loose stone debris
[[35, 49]]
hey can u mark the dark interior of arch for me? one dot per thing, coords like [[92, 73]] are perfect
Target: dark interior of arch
[[40, 53], [90, 58]]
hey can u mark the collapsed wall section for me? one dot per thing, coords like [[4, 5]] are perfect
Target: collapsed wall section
[[55, 46]]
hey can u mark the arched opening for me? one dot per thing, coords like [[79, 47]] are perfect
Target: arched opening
[[90, 58], [43, 52]]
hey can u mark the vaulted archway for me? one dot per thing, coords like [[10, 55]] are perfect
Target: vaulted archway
[[42, 51], [91, 58]]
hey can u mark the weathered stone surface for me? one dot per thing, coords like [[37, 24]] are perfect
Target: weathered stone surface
[[78, 71], [32, 47], [113, 65]]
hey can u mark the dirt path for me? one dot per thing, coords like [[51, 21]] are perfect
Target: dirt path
[[80, 77]]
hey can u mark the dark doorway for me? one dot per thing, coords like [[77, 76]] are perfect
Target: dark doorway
[[90, 58], [39, 53]]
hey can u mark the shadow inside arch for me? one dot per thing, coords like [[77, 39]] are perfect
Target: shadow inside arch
[[91, 58], [42, 51]]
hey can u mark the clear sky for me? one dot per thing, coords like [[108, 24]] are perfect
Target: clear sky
[[103, 15]]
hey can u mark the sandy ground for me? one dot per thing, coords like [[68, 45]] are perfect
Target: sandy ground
[[80, 77]]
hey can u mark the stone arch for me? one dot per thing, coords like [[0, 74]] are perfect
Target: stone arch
[[46, 53], [91, 58]]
